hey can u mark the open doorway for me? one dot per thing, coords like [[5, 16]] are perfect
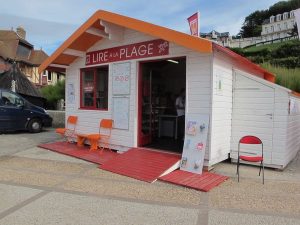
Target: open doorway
[[161, 125]]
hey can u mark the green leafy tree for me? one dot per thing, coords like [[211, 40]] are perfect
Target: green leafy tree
[[53, 93], [252, 25]]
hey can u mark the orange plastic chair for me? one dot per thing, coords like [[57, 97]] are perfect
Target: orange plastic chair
[[251, 156], [103, 137], [69, 131]]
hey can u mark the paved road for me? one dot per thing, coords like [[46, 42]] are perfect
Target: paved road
[[41, 187]]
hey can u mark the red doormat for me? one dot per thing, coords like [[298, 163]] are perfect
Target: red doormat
[[142, 164], [98, 157], [203, 182]]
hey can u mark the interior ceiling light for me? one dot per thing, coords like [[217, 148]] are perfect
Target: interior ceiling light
[[172, 61]]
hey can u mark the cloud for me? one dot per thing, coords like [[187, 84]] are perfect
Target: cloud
[[49, 23], [41, 33]]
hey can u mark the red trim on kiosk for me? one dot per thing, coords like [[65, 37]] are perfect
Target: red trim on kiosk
[[94, 70], [141, 139]]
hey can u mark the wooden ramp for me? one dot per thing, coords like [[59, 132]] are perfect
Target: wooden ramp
[[203, 182], [143, 164], [84, 153]]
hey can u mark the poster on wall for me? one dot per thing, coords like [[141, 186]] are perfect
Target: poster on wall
[[70, 94], [196, 131], [121, 78], [121, 113]]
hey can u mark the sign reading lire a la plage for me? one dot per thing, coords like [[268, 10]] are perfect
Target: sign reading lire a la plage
[[134, 51]]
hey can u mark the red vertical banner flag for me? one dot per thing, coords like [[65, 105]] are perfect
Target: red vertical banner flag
[[194, 24]]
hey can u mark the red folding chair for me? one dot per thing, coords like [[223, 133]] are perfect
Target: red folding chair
[[251, 156]]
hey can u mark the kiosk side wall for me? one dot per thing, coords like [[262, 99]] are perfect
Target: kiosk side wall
[[293, 130]]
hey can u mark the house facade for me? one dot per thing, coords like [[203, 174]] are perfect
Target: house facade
[[223, 39], [15, 48], [278, 26]]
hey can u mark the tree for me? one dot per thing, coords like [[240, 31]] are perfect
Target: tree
[[53, 93], [252, 24]]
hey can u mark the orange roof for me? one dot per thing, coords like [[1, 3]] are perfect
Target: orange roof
[[82, 40]]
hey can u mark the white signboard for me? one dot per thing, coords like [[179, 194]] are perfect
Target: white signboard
[[70, 94], [121, 112], [196, 130], [121, 78]]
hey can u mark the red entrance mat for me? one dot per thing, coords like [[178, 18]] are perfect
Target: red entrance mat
[[98, 157], [203, 182], [142, 164]]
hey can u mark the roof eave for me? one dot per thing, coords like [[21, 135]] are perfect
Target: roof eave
[[188, 41]]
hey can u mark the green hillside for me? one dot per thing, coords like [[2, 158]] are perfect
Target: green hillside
[[282, 59]]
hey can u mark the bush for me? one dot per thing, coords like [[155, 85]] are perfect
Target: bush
[[239, 51], [265, 52], [290, 62], [289, 49], [257, 59], [53, 93]]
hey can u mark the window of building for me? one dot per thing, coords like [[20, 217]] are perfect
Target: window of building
[[94, 88], [23, 51], [278, 27], [292, 23], [285, 15], [285, 25], [291, 14], [266, 30], [49, 75], [278, 17], [272, 28], [272, 19]]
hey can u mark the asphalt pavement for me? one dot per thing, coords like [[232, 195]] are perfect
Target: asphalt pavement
[[38, 186]]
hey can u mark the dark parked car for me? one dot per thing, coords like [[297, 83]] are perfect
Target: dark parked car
[[16, 113]]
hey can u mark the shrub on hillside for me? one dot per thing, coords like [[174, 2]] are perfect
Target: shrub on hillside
[[289, 62], [257, 59], [288, 49], [264, 52], [239, 51], [53, 93]]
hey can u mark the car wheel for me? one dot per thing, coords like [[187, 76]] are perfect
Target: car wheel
[[35, 126]]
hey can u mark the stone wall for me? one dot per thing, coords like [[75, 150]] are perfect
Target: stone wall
[[58, 118]]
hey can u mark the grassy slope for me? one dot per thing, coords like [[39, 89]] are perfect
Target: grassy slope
[[289, 78], [270, 47]]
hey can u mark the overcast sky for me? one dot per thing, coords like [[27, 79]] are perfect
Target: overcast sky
[[49, 22]]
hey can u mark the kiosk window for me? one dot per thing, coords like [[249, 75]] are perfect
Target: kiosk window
[[94, 88]]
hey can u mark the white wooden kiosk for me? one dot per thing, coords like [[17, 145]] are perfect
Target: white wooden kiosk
[[239, 96]]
